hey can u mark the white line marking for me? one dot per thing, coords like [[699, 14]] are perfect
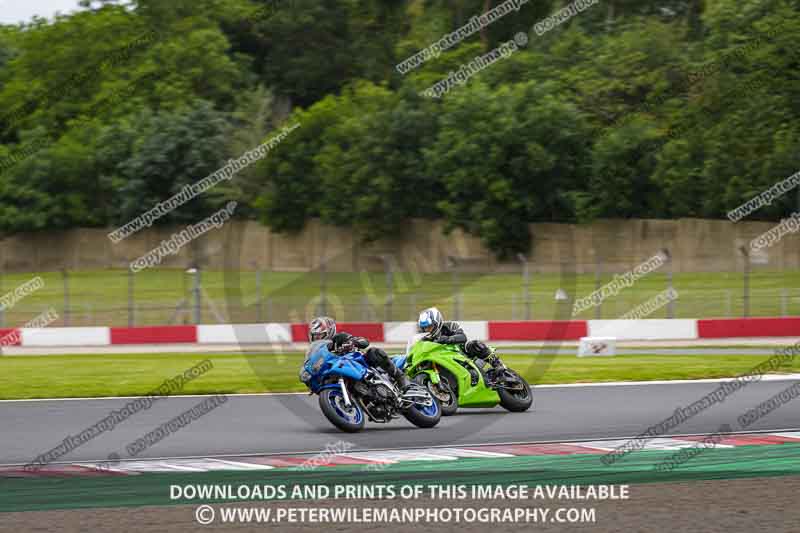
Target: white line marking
[[664, 443], [788, 434], [155, 466], [433, 446], [404, 455], [243, 466], [462, 453], [766, 377]]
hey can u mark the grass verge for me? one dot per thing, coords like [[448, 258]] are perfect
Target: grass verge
[[82, 376]]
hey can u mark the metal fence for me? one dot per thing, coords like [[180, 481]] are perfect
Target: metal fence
[[160, 297]]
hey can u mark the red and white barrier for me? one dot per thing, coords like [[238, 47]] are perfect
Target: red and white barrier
[[245, 334], [400, 332], [647, 329], [720, 328], [537, 330], [65, 336], [154, 335]]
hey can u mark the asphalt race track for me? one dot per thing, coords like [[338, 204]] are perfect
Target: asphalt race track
[[283, 423]]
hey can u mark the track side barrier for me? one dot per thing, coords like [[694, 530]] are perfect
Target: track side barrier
[[400, 332]]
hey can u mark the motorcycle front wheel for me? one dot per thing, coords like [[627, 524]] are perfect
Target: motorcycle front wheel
[[443, 391], [349, 419], [422, 416]]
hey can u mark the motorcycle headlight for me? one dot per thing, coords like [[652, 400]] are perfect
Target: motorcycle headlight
[[305, 376]]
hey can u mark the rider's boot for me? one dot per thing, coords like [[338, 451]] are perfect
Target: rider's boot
[[378, 357], [495, 361], [400, 378]]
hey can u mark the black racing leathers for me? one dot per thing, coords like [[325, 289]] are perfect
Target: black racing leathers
[[451, 333]]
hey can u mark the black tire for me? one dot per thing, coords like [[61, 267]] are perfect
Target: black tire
[[423, 419], [330, 401], [447, 382], [516, 401]]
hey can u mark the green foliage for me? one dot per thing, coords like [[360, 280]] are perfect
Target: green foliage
[[507, 155], [655, 108], [187, 145], [372, 170]]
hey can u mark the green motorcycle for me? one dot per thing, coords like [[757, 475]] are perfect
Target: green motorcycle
[[459, 381]]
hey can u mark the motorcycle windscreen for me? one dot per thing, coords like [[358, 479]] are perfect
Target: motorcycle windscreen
[[399, 361], [317, 356], [414, 340]]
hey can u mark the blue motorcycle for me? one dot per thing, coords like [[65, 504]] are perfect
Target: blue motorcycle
[[350, 391]]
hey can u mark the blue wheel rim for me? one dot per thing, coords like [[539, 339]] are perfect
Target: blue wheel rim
[[355, 417], [429, 410]]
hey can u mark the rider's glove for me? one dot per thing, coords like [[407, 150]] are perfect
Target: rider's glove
[[360, 342], [346, 347]]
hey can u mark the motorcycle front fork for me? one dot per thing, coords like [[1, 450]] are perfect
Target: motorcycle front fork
[[345, 394]]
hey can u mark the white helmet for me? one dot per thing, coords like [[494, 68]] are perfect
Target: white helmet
[[430, 322]]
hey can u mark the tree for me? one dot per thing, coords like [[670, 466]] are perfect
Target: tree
[[508, 157], [149, 157]]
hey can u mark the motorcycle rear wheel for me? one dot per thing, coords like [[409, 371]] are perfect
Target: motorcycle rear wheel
[[516, 401]]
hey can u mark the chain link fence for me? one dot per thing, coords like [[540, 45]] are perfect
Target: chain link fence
[[524, 292]]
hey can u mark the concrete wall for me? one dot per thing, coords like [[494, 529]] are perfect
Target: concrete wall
[[618, 245]]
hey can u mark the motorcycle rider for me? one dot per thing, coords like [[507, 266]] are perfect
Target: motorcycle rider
[[324, 328], [432, 323]]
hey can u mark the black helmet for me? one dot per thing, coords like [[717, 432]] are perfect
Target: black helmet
[[321, 328]]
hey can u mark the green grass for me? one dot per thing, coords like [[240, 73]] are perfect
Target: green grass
[[65, 376], [102, 297]]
